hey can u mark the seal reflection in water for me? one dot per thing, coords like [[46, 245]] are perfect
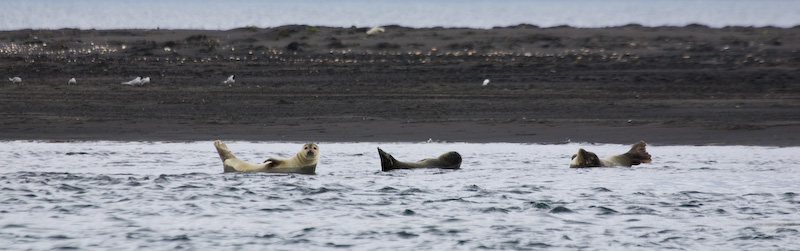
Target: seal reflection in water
[[450, 160], [304, 162], [637, 155]]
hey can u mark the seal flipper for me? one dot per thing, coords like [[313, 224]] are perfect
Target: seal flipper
[[272, 162], [638, 153], [387, 161]]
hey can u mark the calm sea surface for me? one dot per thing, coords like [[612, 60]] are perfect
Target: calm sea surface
[[223, 15], [167, 195]]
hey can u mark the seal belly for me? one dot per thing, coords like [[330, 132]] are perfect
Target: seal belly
[[304, 162], [301, 170]]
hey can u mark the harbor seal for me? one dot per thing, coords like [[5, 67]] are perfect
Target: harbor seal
[[637, 155], [375, 30], [304, 162], [449, 160]]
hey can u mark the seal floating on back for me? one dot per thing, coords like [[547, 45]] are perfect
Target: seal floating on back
[[304, 162], [449, 160], [637, 155]]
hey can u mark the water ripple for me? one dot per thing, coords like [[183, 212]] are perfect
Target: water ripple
[[539, 204]]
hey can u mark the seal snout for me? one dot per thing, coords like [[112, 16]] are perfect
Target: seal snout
[[310, 148]]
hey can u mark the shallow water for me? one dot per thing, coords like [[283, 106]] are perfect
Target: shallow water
[[162, 195]]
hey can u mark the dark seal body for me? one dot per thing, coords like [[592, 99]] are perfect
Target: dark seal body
[[449, 160]]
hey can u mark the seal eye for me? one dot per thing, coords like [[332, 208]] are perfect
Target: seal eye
[[305, 148]]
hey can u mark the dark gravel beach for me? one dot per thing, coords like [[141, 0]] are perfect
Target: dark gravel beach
[[664, 85]]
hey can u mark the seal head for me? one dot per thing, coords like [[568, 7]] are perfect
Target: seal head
[[584, 159]]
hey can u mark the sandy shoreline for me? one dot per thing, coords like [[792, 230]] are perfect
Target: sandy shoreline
[[666, 85], [400, 131]]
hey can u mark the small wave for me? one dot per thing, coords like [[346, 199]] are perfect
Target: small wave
[[561, 210], [278, 210], [181, 237], [606, 211], [334, 245], [640, 210], [494, 210], [752, 234], [388, 190], [162, 179], [14, 226], [70, 188], [406, 235], [188, 187], [693, 203], [446, 200], [411, 191], [539, 205], [601, 189], [59, 237]]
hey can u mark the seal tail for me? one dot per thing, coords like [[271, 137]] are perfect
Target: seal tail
[[387, 161], [638, 153]]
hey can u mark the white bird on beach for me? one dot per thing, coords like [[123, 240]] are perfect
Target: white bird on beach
[[229, 81], [145, 81], [72, 81], [485, 82], [136, 81], [15, 80], [375, 30]]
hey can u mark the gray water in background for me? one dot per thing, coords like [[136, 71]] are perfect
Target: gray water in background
[[161, 195], [224, 15]]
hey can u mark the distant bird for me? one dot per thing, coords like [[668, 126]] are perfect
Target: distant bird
[[145, 81], [485, 82], [375, 30], [136, 81], [229, 81], [72, 81], [15, 80]]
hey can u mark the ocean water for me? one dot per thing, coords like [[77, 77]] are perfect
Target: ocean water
[[173, 195], [223, 15]]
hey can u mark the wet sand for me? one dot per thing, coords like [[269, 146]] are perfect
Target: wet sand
[[665, 85]]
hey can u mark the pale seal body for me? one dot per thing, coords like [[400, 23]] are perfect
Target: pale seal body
[[304, 162], [450, 160], [375, 30], [637, 155]]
